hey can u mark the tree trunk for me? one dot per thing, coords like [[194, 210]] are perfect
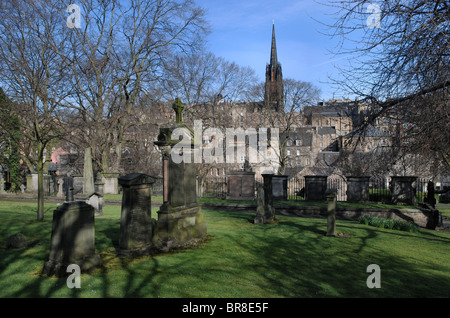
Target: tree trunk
[[40, 171]]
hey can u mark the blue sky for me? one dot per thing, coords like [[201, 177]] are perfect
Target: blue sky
[[242, 30]]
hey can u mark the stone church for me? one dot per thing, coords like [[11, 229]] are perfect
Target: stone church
[[315, 137]]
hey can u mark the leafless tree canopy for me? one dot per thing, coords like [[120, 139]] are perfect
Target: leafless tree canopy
[[401, 66]]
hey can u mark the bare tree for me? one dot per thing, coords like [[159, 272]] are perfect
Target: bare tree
[[33, 77], [116, 57], [401, 67]]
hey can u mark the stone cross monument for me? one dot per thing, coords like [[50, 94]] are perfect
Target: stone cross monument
[[180, 221]]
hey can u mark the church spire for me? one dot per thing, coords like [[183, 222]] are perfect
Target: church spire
[[273, 53], [274, 79]]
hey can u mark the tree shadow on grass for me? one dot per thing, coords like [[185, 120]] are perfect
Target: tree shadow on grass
[[306, 263], [291, 258]]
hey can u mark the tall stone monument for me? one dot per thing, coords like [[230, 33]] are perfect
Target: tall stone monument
[[88, 174], [180, 221]]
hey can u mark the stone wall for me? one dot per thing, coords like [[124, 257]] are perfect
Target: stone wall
[[423, 217]]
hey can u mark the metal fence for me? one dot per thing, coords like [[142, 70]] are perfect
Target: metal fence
[[296, 189], [379, 188], [212, 187]]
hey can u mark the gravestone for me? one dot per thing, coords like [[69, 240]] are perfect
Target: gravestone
[[111, 183], [402, 190], [69, 188], [2, 185], [357, 189], [96, 200], [29, 183], [265, 212], [17, 240], [78, 183], [72, 239], [34, 182], [241, 185], [47, 182], [136, 224], [60, 187], [431, 200], [88, 173], [279, 187], [331, 212], [315, 187], [180, 221]]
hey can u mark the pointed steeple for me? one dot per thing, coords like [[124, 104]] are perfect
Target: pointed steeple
[[274, 79], [273, 53]]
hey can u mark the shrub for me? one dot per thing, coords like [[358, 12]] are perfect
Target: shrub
[[388, 224]]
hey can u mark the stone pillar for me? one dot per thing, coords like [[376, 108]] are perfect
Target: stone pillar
[[279, 187], [72, 240], [331, 212], [315, 187], [2, 184], [431, 200], [260, 211], [29, 183], [69, 188], [402, 190], [136, 224], [88, 173], [357, 189], [265, 211]]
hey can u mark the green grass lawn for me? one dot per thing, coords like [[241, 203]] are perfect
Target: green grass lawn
[[291, 258]]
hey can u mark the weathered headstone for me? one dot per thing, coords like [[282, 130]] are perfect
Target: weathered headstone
[[402, 190], [315, 187], [96, 198], [17, 240], [33, 186], [72, 239], [96, 201], [88, 173], [180, 221], [2, 185], [47, 184], [265, 212], [331, 212], [357, 189], [60, 187], [279, 187], [431, 200], [136, 224], [241, 185], [69, 188], [111, 183]]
